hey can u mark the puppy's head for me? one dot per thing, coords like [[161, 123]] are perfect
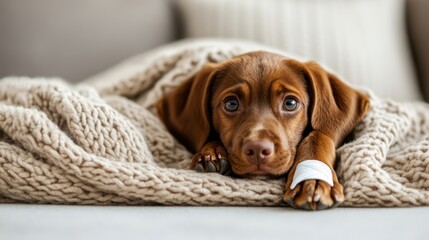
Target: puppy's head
[[260, 105], [258, 108]]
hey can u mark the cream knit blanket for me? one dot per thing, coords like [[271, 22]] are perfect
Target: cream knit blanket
[[101, 142]]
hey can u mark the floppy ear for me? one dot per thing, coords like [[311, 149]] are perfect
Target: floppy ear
[[335, 108], [186, 110]]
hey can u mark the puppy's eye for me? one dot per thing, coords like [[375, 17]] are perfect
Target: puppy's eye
[[290, 104], [231, 105]]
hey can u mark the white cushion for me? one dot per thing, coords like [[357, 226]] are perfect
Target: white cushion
[[363, 41]]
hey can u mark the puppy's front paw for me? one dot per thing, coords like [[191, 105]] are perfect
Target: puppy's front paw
[[212, 158], [314, 195]]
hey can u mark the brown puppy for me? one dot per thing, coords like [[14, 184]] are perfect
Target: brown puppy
[[262, 114]]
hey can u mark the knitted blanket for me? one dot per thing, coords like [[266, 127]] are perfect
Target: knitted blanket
[[101, 143]]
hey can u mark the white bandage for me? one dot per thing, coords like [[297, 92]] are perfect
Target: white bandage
[[312, 169]]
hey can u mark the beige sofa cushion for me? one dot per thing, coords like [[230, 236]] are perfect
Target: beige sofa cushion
[[76, 39], [364, 41]]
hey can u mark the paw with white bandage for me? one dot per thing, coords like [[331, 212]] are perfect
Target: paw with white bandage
[[313, 185], [312, 169]]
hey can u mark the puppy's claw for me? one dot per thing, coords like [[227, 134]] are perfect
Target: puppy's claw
[[199, 168], [321, 206], [290, 202], [305, 206], [211, 167], [224, 166], [337, 200], [336, 204]]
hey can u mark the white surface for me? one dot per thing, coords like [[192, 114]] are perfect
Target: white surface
[[312, 169], [364, 41], [88, 222]]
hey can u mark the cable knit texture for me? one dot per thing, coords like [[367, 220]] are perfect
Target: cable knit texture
[[101, 142]]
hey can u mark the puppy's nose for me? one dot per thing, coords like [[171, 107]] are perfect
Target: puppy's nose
[[258, 151]]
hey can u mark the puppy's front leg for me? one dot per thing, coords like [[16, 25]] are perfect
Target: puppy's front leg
[[212, 158], [314, 194]]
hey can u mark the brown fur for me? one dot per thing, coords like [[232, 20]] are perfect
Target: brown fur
[[327, 111]]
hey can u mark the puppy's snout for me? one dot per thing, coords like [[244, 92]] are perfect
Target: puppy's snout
[[258, 151]]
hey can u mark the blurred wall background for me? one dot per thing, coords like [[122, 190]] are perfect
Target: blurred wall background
[[77, 39]]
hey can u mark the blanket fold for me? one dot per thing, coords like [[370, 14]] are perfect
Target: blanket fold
[[101, 142]]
